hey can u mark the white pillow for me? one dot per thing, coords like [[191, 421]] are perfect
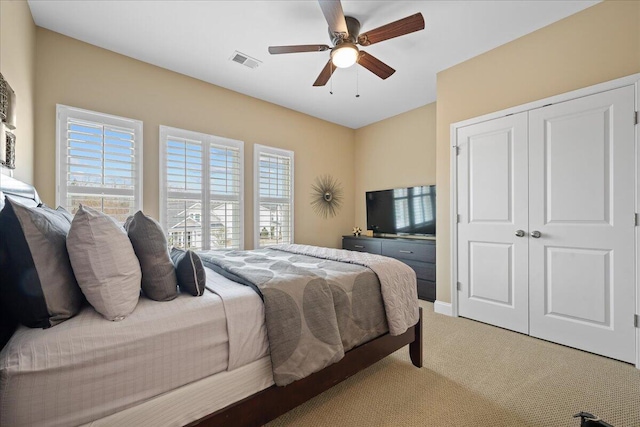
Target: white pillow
[[104, 263]]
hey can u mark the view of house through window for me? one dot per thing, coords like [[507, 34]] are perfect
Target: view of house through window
[[273, 189], [99, 162], [201, 177]]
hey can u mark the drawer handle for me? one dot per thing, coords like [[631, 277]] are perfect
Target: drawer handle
[[405, 252], [358, 246]]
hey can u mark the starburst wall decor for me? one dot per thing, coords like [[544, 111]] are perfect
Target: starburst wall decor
[[326, 196]]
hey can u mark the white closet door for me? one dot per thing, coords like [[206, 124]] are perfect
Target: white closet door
[[492, 203], [581, 201]]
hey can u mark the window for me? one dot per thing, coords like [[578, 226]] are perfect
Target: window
[[99, 162], [201, 189], [273, 192]]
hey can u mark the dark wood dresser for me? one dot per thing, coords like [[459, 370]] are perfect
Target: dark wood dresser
[[418, 254]]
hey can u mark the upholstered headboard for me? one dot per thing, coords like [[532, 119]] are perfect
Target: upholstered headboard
[[18, 190], [27, 195]]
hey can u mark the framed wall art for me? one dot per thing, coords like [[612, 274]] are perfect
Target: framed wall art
[[9, 150], [7, 124]]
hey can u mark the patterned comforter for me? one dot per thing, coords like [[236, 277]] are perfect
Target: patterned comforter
[[321, 302]]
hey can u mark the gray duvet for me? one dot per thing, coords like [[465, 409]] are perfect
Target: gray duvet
[[316, 308]]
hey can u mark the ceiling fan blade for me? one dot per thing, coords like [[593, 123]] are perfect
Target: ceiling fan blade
[[325, 74], [274, 50], [395, 29], [374, 65], [332, 10]]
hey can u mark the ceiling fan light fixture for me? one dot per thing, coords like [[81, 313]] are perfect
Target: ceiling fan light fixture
[[344, 55]]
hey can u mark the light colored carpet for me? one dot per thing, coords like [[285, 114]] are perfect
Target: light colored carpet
[[478, 375]]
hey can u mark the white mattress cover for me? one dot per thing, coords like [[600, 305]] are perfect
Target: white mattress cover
[[196, 400], [87, 367]]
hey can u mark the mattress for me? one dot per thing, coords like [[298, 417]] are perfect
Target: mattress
[[87, 368]]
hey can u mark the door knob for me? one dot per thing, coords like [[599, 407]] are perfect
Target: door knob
[[535, 234], [520, 233]]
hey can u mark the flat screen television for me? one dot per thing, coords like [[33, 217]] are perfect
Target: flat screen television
[[410, 211]]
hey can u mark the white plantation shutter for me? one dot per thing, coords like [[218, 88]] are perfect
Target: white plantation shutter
[[99, 162], [273, 190], [226, 177], [201, 194], [183, 205]]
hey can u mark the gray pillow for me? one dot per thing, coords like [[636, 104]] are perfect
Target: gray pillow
[[37, 285], [150, 244], [104, 263], [65, 213], [190, 271]]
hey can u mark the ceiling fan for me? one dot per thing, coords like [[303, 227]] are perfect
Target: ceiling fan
[[345, 34]]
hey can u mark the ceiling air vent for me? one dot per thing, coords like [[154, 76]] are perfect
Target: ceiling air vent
[[245, 60]]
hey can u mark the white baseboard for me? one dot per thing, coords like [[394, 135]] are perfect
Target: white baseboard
[[443, 308]]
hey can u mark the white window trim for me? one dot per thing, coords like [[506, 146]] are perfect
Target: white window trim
[[207, 140], [257, 149], [63, 112]]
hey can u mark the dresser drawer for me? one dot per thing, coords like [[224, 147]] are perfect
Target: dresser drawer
[[361, 245], [425, 271], [409, 251], [427, 290]]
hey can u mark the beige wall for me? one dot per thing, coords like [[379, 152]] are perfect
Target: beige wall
[[77, 74], [397, 152], [18, 66], [598, 44]]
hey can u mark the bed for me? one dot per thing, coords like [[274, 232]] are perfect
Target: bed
[[190, 361]]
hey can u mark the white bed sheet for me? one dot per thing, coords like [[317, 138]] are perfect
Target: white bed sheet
[[87, 368], [194, 401]]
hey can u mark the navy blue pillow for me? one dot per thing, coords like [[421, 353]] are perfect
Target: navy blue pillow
[[189, 270], [38, 287]]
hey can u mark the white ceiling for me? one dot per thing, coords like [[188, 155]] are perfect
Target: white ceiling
[[197, 38]]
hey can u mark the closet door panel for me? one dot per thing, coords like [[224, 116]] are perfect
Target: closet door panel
[[581, 201], [492, 203], [577, 160]]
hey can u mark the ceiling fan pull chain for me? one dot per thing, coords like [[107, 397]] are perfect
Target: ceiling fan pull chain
[[357, 82]]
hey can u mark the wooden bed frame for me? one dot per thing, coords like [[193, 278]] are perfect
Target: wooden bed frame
[[268, 404]]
